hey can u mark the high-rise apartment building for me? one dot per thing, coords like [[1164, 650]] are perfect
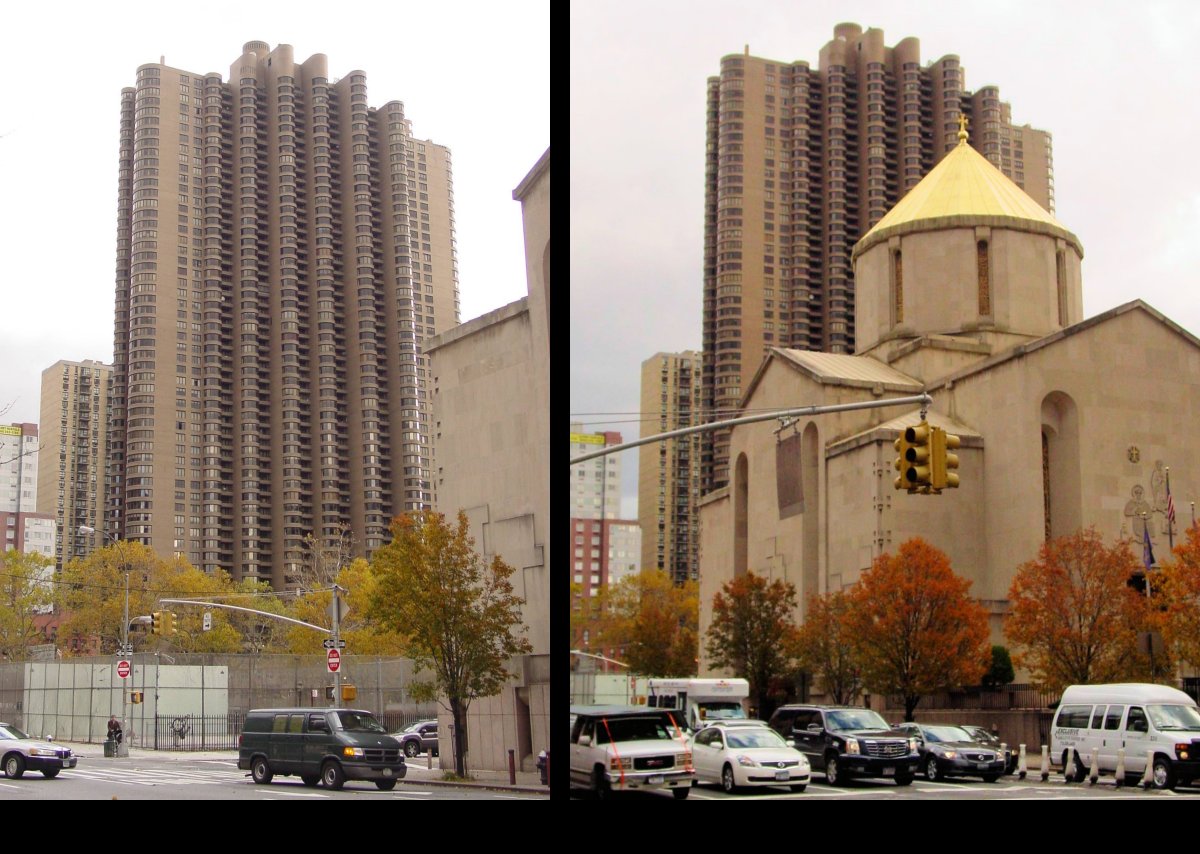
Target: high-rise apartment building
[[283, 251], [24, 529], [74, 434], [595, 484], [669, 471], [800, 163]]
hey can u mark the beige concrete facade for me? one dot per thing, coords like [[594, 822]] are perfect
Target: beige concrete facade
[[74, 435], [491, 392], [1063, 424], [283, 252], [800, 162], [669, 471]]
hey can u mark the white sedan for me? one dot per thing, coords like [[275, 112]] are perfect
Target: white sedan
[[746, 753]]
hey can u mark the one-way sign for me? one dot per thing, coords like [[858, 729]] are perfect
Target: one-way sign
[[328, 643]]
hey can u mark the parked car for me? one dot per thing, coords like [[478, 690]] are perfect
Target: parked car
[[983, 736], [747, 753], [327, 746], [21, 753], [418, 738], [950, 751], [844, 742], [620, 748]]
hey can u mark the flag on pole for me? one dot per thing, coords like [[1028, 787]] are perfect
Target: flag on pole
[[1147, 551], [1170, 503]]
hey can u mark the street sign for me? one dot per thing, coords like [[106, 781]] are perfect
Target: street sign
[[333, 660], [328, 643], [123, 669], [343, 608], [208, 621]]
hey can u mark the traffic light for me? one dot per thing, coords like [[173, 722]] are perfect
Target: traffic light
[[942, 463], [918, 456], [156, 623], [169, 618], [901, 464], [135, 697]]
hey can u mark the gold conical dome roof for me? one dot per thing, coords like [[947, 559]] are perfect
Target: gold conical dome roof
[[964, 189]]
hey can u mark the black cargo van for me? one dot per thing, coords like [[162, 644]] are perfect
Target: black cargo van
[[327, 746]]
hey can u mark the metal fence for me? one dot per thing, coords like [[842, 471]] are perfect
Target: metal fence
[[1010, 697]]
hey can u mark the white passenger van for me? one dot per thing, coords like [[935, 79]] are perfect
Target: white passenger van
[[1135, 717]]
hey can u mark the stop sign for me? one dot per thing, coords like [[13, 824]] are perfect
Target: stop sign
[[123, 669], [334, 660]]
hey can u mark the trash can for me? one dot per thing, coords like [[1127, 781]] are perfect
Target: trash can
[[542, 761], [110, 747]]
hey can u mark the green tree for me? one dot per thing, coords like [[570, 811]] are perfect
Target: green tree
[[753, 633], [825, 647], [25, 593], [1001, 672], [460, 613], [916, 628], [648, 622]]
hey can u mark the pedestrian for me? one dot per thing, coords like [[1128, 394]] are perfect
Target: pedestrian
[[114, 729]]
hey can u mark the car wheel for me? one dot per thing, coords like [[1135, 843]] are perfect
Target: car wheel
[[931, 769], [14, 766], [385, 785], [833, 774], [411, 749], [310, 780], [681, 794], [799, 787], [728, 783], [50, 773], [261, 771], [600, 785], [1163, 774], [333, 776], [904, 779]]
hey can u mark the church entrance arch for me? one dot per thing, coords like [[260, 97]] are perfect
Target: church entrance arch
[[1061, 491]]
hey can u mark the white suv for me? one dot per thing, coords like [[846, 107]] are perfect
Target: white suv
[[620, 748]]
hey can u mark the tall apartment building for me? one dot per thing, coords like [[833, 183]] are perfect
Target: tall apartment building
[[25, 529], [595, 484], [801, 162], [283, 251], [669, 471], [74, 434]]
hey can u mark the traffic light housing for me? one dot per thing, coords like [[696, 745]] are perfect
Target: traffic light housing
[[901, 464], [918, 456], [156, 623], [169, 627], [943, 462], [136, 697]]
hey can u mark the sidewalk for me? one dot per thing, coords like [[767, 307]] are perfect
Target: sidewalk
[[418, 772]]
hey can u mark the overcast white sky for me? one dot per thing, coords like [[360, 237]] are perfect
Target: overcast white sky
[[1115, 83], [473, 76]]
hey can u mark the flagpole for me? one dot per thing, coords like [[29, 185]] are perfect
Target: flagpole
[[1147, 551]]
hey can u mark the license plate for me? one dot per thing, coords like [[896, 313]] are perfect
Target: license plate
[[889, 771], [782, 775], [655, 780], [982, 766]]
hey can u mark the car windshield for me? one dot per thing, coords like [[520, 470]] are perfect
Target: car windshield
[[1174, 717], [632, 729], [938, 734], [721, 711], [359, 722], [8, 731], [979, 734], [856, 719], [747, 738]]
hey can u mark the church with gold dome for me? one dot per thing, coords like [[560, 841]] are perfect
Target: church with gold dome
[[971, 292]]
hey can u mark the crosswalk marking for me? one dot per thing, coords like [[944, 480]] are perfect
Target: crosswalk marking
[[154, 776]]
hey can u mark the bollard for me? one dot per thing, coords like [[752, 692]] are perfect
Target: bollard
[[512, 768], [1045, 764], [1148, 777], [1022, 764], [429, 759], [1094, 773], [1069, 766], [1120, 772], [1004, 756]]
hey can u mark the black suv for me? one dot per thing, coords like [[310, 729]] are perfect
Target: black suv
[[847, 742]]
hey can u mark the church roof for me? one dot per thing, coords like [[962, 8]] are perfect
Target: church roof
[[964, 189], [886, 430], [837, 369]]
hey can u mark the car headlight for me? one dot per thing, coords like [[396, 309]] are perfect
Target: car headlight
[[949, 754], [803, 764], [615, 764], [852, 745], [353, 752], [745, 761], [912, 745], [42, 751]]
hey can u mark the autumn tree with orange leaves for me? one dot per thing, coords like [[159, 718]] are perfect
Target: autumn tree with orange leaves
[[825, 647], [916, 628], [1074, 618], [650, 623], [1178, 595], [753, 633]]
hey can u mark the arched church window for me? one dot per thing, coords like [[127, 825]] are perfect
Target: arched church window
[[984, 275]]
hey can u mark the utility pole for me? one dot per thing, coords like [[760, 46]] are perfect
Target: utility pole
[[337, 624]]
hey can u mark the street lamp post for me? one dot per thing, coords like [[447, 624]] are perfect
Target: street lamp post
[[125, 649]]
